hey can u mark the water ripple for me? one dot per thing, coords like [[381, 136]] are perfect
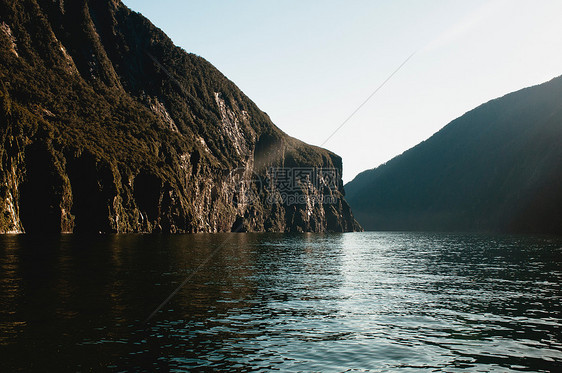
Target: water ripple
[[344, 302]]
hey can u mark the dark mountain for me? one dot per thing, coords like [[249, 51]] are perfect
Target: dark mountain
[[106, 126], [496, 168]]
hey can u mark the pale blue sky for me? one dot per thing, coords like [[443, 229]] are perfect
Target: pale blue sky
[[310, 64]]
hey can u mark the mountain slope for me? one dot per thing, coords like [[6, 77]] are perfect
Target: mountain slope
[[106, 126], [496, 168]]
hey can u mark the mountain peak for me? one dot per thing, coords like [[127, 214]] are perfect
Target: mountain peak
[[496, 168]]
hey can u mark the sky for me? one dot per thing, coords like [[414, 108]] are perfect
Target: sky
[[310, 64]]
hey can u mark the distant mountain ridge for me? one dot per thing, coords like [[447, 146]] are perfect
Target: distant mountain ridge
[[496, 168], [107, 126]]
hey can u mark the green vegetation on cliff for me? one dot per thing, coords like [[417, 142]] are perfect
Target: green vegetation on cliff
[[107, 126]]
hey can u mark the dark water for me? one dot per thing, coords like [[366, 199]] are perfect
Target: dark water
[[342, 302]]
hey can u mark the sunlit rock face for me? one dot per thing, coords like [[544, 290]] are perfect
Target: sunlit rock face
[[106, 126]]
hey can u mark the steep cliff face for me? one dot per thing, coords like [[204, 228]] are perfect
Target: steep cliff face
[[106, 126]]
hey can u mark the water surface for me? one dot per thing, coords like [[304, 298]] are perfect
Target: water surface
[[310, 302]]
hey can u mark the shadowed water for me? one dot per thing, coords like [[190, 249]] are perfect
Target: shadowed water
[[311, 302]]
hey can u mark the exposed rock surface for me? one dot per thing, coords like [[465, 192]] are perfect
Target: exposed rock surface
[[106, 126]]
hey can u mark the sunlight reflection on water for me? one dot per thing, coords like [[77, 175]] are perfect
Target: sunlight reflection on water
[[311, 302]]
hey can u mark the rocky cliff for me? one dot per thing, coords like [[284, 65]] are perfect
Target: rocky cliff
[[106, 126]]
